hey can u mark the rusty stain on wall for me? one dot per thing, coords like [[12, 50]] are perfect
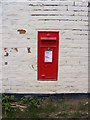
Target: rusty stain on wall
[[6, 63], [29, 51], [16, 49], [5, 48], [28, 38], [6, 54], [32, 66], [21, 31]]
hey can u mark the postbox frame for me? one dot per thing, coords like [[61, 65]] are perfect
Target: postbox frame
[[55, 39]]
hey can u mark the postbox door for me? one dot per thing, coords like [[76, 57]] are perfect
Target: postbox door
[[48, 64]]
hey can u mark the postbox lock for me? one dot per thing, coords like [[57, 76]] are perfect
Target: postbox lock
[[48, 48]]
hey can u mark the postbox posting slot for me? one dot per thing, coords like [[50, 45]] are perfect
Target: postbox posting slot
[[48, 40]]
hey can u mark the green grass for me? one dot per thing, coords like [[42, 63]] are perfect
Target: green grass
[[82, 107], [49, 108], [77, 114]]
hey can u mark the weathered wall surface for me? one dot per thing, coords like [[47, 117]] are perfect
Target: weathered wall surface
[[0, 49], [0, 60], [89, 47], [21, 21]]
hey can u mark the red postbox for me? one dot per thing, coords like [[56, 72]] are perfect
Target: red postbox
[[48, 47]]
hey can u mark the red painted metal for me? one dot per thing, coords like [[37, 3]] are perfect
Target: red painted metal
[[48, 47]]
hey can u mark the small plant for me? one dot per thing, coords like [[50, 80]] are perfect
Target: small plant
[[34, 103], [6, 102], [12, 113], [12, 98], [23, 101]]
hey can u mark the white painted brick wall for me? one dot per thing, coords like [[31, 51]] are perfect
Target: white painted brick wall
[[70, 18]]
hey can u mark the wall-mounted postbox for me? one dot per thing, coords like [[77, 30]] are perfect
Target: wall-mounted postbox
[[48, 47]]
